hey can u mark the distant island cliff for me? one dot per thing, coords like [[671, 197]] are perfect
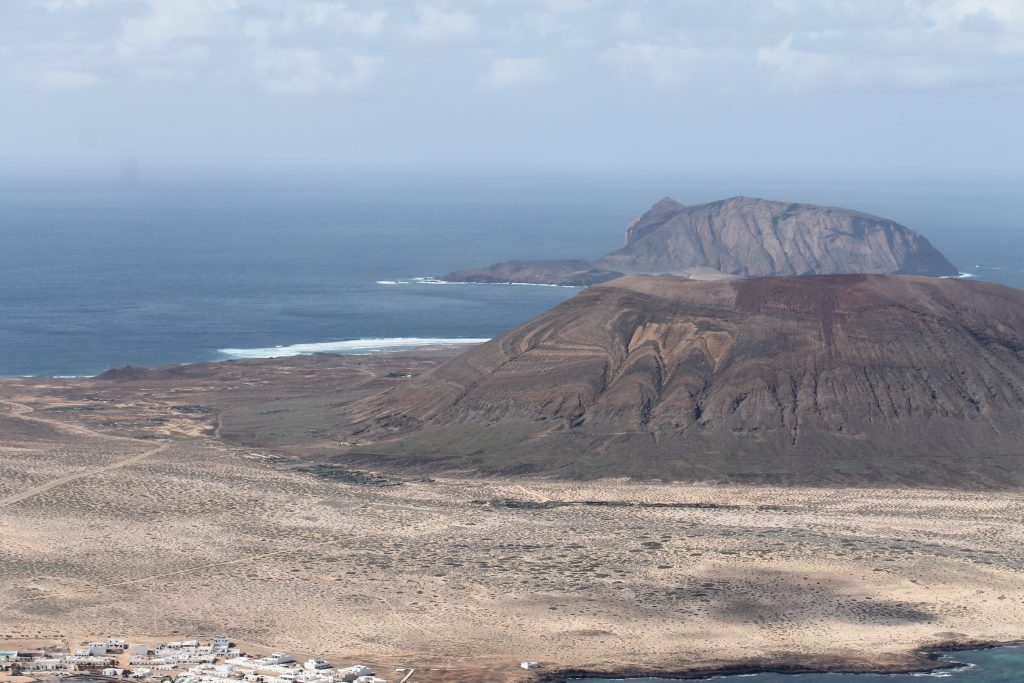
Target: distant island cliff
[[739, 237]]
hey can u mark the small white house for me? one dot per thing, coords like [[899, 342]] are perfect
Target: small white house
[[352, 673], [529, 665], [47, 664], [111, 672], [314, 663], [221, 642], [140, 649]]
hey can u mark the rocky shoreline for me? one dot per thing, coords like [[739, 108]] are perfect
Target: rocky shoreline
[[923, 661]]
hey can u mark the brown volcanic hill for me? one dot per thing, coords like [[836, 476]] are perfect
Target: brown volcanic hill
[[852, 379], [740, 236]]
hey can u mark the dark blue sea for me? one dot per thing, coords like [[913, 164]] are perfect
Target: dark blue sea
[[999, 665], [185, 267]]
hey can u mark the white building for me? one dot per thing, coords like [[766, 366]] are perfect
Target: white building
[[529, 665], [48, 664], [314, 663], [138, 649], [275, 660], [316, 676], [89, 662], [352, 673]]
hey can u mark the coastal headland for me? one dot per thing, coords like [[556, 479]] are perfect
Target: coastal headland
[[180, 502]]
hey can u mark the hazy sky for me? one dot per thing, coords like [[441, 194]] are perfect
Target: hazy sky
[[863, 85]]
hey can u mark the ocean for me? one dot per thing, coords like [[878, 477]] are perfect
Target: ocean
[[997, 665], [196, 267]]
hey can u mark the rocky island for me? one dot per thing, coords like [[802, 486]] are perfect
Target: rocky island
[[739, 237]]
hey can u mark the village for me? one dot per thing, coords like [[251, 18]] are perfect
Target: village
[[186, 661]]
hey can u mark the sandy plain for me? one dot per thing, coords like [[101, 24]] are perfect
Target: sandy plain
[[177, 504]]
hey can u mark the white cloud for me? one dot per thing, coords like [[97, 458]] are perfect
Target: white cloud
[[573, 6], [169, 20], [632, 22], [506, 72], [257, 29], [663, 65], [339, 15], [858, 44], [66, 79], [804, 68], [65, 5], [435, 25], [983, 20], [305, 72], [951, 14]]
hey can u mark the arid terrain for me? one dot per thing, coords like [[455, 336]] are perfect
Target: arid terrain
[[159, 504]]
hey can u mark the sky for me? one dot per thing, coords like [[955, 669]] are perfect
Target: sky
[[788, 86]]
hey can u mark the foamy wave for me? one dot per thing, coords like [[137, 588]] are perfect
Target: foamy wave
[[437, 281], [420, 281], [351, 346], [959, 276]]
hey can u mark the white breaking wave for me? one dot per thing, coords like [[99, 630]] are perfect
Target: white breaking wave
[[351, 346], [420, 281], [435, 281]]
